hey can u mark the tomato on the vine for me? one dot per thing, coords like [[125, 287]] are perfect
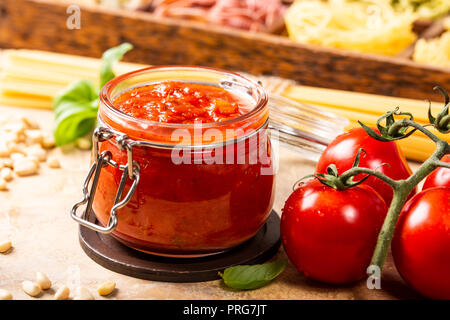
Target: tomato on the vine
[[421, 243], [329, 234], [439, 177], [342, 152]]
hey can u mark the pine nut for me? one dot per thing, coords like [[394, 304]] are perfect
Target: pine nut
[[4, 150], [48, 141], [21, 137], [3, 186], [43, 281], [34, 136], [6, 174], [15, 127], [8, 163], [34, 159], [22, 142], [10, 137], [106, 288], [36, 151], [25, 167], [83, 293], [5, 246], [5, 295], [62, 293], [31, 288], [54, 163], [16, 148], [83, 143], [16, 156], [29, 123]]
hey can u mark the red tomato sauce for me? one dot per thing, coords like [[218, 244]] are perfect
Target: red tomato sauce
[[186, 209], [180, 102]]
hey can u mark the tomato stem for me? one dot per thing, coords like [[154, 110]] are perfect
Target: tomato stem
[[358, 170], [401, 188], [424, 130], [387, 230], [443, 164], [396, 130]]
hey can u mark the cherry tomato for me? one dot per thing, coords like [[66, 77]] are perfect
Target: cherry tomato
[[329, 234], [439, 177], [342, 152], [421, 243]]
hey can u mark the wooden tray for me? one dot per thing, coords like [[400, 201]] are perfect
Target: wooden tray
[[41, 24]]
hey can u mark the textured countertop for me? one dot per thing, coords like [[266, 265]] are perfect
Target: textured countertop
[[34, 214]]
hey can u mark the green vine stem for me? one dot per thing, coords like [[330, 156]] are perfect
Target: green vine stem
[[401, 188], [392, 131]]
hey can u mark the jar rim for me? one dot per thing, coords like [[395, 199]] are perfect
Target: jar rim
[[160, 145], [105, 97]]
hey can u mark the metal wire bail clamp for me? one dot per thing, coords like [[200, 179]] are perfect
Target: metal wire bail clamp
[[130, 171]]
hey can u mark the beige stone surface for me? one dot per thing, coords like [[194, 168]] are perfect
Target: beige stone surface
[[34, 214]]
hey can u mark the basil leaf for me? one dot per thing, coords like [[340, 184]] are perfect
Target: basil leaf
[[110, 57], [75, 111], [248, 277], [76, 107], [74, 123], [79, 91]]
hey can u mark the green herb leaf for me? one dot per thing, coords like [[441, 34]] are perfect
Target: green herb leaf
[[77, 106], [75, 111], [109, 58], [248, 277]]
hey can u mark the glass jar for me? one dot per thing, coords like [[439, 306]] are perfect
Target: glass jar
[[181, 190]]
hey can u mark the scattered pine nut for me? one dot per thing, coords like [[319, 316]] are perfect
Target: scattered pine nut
[[5, 246], [62, 293], [8, 163], [31, 288], [43, 281], [15, 127], [36, 151], [6, 174], [106, 288], [83, 143], [3, 186], [4, 150], [34, 136], [10, 138], [48, 141], [25, 167], [34, 159], [54, 163], [5, 295], [21, 138], [16, 148], [29, 123], [16, 156], [83, 293]]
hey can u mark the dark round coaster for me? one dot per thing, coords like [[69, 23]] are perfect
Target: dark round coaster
[[113, 255]]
